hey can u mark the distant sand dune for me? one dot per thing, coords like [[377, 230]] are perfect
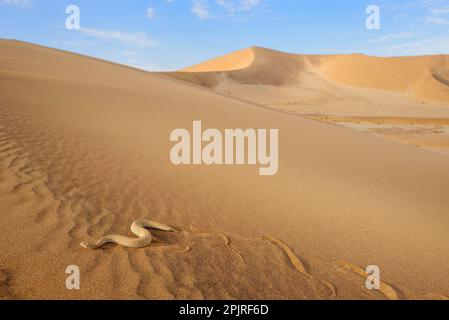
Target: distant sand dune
[[423, 77], [408, 75]]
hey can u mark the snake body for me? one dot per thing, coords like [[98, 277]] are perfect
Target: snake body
[[139, 228]]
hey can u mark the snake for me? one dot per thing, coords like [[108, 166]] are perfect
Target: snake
[[139, 228]]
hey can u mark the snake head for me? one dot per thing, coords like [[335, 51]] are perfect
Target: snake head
[[85, 245]]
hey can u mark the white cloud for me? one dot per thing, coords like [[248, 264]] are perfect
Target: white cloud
[[393, 36], [248, 4], [233, 6], [436, 20], [150, 13], [435, 45], [20, 3], [130, 53], [136, 59], [200, 9], [436, 15], [137, 39], [438, 11], [206, 9]]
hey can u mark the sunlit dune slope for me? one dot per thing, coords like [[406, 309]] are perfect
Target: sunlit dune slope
[[234, 61], [256, 66]]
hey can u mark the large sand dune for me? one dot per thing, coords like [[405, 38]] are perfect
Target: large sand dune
[[84, 151], [349, 86], [422, 77]]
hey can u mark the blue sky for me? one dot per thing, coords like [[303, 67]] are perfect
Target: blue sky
[[172, 34]]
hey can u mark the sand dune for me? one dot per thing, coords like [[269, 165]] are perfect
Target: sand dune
[[423, 77], [349, 86], [413, 76], [84, 152]]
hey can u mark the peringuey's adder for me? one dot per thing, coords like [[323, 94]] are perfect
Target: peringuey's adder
[[139, 229]]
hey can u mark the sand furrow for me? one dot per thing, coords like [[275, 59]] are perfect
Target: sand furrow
[[294, 260], [227, 241], [389, 291], [300, 266]]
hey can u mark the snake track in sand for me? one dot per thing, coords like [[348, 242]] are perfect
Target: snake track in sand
[[139, 228]]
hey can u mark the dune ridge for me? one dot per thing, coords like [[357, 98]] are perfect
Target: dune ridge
[[237, 60], [84, 151]]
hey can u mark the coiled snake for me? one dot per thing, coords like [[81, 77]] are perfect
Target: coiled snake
[[139, 229]]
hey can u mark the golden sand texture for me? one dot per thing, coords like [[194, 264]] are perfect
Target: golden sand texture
[[84, 152]]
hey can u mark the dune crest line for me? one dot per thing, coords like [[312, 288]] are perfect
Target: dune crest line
[[139, 228], [297, 264]]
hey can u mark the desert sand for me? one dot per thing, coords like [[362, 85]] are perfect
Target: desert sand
[[342, 86], [84, 152]]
